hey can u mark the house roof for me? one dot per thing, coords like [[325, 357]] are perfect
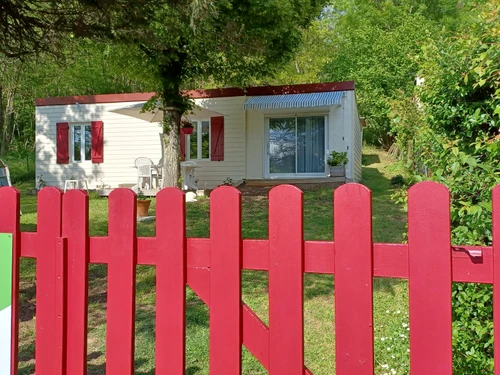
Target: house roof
[[199, 94]]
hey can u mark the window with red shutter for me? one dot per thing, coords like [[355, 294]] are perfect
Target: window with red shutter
[[217, 138], [97, 131], [62, 142]]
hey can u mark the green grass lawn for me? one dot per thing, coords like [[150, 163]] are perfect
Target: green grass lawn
[[390, 296]]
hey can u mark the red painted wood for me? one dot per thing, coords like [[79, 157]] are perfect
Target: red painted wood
[[121, 283], [75, 228], [390, 260], [353, 280], [97, 151], [9, 223], [62, 142], [182, 137], [170, 282], [146, 250], [319, 257], [60, 345], [430, 279], [300, 88], [256, 255], [202, 93], [198, 252], [225, 281], [255, 332], [198, 279], [286, 287], [94, 99], [468, 268], [49, 228], [217, 138], [496, 281], [256, 336], [99, 250], [28, 244]]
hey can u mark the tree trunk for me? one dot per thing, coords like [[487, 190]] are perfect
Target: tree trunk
[[171, 147]]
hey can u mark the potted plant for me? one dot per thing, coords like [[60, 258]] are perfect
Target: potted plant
[[142, 204], [187, 128], [337, 162]]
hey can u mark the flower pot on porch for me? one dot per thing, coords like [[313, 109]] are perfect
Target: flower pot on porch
[[187, 129], [337, 171], [143, 207]]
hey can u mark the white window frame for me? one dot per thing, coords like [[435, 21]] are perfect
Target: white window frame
[[198, 124], [82, 146], [267, 172]]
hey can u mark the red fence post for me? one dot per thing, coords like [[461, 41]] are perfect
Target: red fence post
[[353, 280], [225, 281], [48, 229], [75, 223], [286, 281], [430, 279], [121, 283], [9, 223], [496, 276], [60, 307], [170, 282]]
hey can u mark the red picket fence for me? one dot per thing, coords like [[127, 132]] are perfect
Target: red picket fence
[[212, 268]]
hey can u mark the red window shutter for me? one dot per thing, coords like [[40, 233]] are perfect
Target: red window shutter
[[62, 141], [97, 132], [217, 138], [183, 144]]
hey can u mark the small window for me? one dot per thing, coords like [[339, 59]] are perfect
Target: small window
[[81, 142], [198, 142]]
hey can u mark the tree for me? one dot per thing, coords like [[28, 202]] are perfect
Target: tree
[[455, 135], [82, 67], [30, 27], [224, 42]]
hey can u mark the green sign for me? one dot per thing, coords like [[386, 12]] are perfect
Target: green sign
[[5, 301]]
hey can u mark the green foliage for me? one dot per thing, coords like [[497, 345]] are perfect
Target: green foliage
[[337, 158], [398, 180], [451, 135], [141, 196], [376, 46], [473, 329], [84, 68]]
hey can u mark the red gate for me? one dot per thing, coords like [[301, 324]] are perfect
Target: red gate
[[212, 268]]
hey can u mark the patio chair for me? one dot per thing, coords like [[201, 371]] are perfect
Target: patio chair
[[145, 172], [159, 170]]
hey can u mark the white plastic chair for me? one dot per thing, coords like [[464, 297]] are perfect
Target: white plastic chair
[[145, 172], [159, 171]]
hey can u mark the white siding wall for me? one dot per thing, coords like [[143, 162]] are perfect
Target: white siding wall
[[336, 137], [255, 145], [357, 143], [213, 173], [126, 138]]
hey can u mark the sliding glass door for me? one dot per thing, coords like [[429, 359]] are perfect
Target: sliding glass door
[[296, 145]]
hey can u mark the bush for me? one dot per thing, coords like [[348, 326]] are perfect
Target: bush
[[451, 135]]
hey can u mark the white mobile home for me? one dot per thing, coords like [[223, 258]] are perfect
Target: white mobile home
[[270, 132]]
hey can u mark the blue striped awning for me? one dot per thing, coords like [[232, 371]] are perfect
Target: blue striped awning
[[315, 99]]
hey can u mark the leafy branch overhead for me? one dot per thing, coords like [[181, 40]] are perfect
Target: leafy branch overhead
[[31, 27]]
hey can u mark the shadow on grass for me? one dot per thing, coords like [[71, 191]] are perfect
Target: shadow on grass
[[368, 159]]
